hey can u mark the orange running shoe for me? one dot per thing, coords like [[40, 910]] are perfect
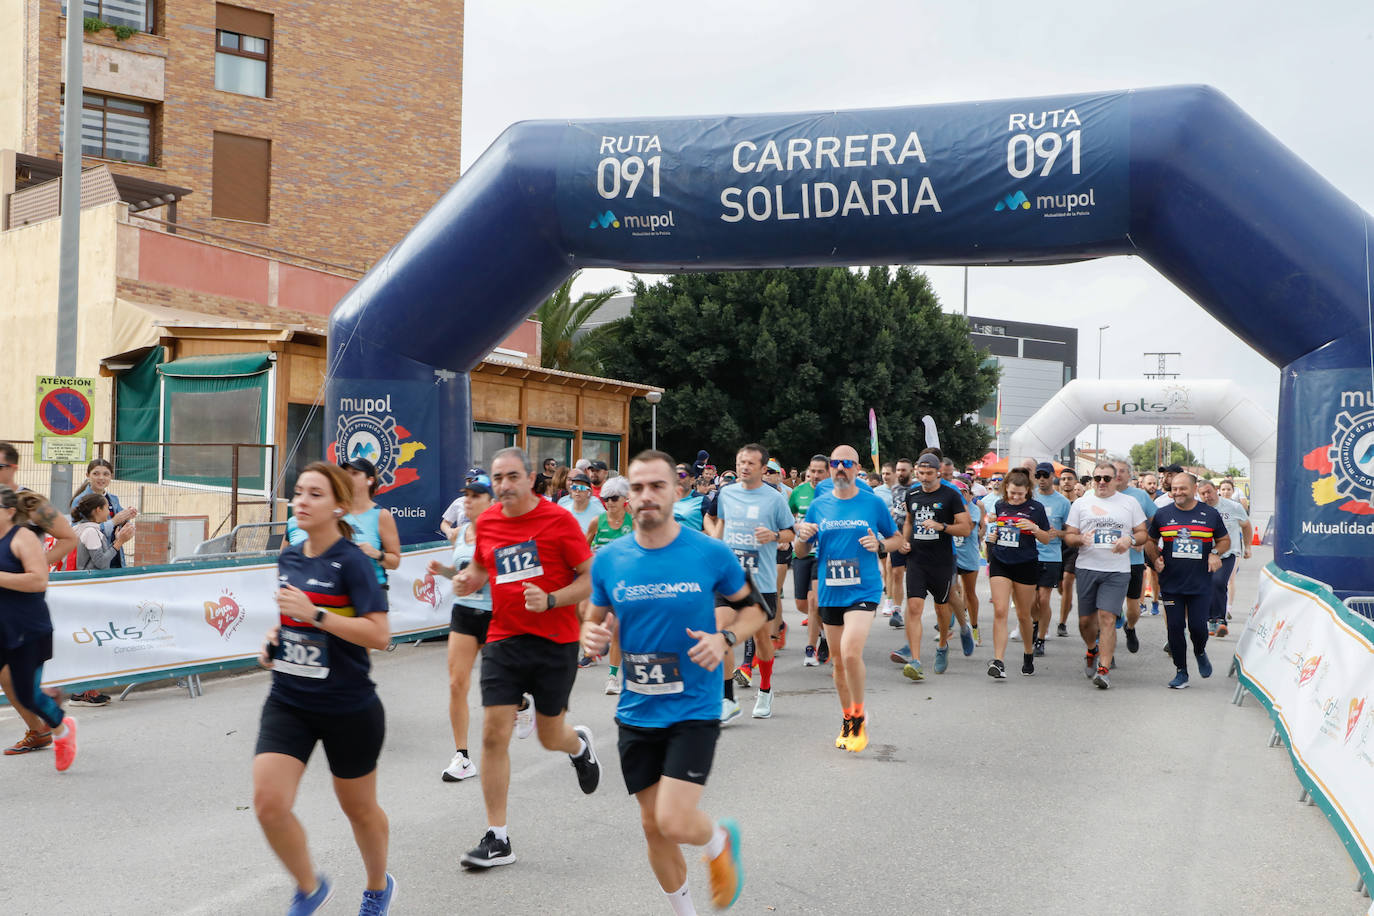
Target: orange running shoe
[[64, 747], [858, 735], [32, 741], [843, 739], [727, 871]]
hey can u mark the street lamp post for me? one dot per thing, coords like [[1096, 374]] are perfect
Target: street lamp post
[[653, 397], [1099, 378]]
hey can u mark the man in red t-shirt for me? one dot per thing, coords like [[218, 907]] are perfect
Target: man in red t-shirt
[[536, 558]]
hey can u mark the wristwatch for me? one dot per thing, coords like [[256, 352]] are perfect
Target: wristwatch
[[319, 616], [729, 638], [552, 603]]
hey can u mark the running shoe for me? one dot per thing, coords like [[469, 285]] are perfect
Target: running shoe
[[966, 640], [1221, 628], [587, 766], [780, 640], [613, 685], [1121, 622], [303, 904], [977, 637], [900, 656], [941, 660], [459, 768], [1028, 665], [913, 672], [1154, 608], [729, 711], [1204, 665], [810, 661], [89, 698], [1211, 628], [1180, 681], [586, 661], [743, 676], [64, 747], [1100, 680], [1132, 640], [858, 735], [997, 669], [1014, 634], [1062, 631], [32, 741], [727, 871], [1035, 631], [763, 705], [1039, 646], [823, 651], [489, 853], [378, 903], [1089, 664], [896, 621], [843, 739], [524, 718]]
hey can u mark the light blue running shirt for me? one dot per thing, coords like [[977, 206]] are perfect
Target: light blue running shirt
[[848, 573], [742, 511], [1057, 509], [656, 595], [966, 555]]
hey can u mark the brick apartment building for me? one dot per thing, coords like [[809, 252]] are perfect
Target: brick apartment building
[[276, 117]]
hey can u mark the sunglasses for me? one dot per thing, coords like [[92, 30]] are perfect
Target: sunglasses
[[1104, 478], [610, 499], [996, 480], [1040, 474], [727, 476], [580, 488], [681, 475], [842, 462]]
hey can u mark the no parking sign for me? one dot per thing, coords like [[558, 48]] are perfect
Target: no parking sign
[[62, 429]]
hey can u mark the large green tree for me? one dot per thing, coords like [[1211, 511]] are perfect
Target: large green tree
[[1144, 454], [563, 344], [794, 358]]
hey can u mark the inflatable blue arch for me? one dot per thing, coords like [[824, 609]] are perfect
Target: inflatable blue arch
[[1179, 176]]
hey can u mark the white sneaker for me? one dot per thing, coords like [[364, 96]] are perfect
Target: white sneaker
[[729, 711], [885, 609], [763, 706], [613, 685], [524, 718], [1014, 634], [460, 767]]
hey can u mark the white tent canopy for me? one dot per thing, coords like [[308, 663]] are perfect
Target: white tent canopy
[[1219, 403]]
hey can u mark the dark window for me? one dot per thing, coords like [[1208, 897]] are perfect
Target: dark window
[[136, 14], [305, 431], [114, 128], [243, 51], [241, 178]]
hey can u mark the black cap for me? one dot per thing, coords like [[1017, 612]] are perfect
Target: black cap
[[599, 465], [928, 461], [1172, 469], [360, 464]]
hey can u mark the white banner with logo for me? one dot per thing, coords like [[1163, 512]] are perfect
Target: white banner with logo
[[1310, 660], [137, 625]]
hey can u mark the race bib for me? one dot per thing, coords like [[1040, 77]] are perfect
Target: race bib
[[1106, 536], [652, 674], [749, 559], [841, 572], [1187, 547], [958, 542], [517, 562], [921, 533], [1008, 536], [301, 653], [991, 536]]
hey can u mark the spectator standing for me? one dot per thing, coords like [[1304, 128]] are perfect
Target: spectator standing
[[99, 476], [94, 549]]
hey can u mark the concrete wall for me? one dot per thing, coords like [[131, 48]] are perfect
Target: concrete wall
[[11, 73]]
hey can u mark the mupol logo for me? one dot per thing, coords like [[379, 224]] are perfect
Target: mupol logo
[[653, 590], [1017, 201], [604, 220]]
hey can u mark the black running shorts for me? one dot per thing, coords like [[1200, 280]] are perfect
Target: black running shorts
[[1051, 572], [935, 577], [898, 559], [834, 616], [470, 621], [517, 665], [1137, 582], [1027, 573], [1070, 561], [803, 574], [683, 750], [352, 740]]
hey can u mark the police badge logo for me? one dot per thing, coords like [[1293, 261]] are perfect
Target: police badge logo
[[1352, 455], [362, 435]]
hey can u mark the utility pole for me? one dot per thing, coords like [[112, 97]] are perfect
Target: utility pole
[[69, 268], [1161, 372]]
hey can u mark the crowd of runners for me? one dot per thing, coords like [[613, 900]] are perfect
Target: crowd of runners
[[673, 574]]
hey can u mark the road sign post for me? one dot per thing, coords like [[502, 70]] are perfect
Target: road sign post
[[62, 430]]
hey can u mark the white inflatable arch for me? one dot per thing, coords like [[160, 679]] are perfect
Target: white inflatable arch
[[1219, 403]]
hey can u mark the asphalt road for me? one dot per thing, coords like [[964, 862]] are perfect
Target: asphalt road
[[1033, 795]]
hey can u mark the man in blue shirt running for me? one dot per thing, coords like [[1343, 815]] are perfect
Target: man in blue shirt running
[[658, 587], [841, 522]]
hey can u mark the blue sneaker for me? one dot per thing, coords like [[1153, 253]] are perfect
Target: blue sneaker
[[1204, 665], [1154, 608], [1180, 680], [1121, 622], [303, 905], [966, 640], [901, 656], [942, 659], [895, 621], [378, 903]]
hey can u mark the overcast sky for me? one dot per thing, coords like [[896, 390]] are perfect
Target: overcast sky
[[1303, 70]]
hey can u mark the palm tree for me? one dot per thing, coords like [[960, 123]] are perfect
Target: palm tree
[[563, 345]]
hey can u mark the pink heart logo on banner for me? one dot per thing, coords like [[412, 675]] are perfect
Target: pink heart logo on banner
[[223, 615], [1356, 707], [426, 591]]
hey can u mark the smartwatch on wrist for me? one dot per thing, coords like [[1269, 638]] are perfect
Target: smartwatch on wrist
[[319, 616], [729, 638], [552, 603]]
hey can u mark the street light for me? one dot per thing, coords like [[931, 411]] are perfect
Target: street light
[[653, 397], [1099, 378]]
